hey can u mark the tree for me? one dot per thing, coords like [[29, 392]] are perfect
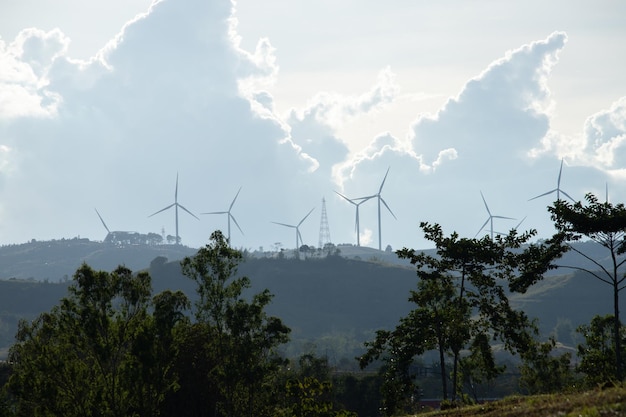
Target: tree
[[234, 337], [605, 224], [99, 352], [597, 354], [309, 390], [460, 304], [542, 371]]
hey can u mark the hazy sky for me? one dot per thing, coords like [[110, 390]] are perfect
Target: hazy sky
[[103, 103]]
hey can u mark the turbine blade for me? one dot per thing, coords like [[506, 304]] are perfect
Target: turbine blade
[[307, 215], [176, 192], [344, 197], [558, 181], [541, 195], [168, 207], [519, 224], [385, 203], [216, 212], [234, 199], [188, 211], [568, 196], [286, 225], [502, 217], [484, 201], [483, 226], [383, 183], [236, 224], [364, 199], [103, 223], [299, 237]]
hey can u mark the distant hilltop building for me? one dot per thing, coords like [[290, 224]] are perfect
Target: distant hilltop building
[[133, 238]]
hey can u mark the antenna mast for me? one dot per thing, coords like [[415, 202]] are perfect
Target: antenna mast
[[324, 229]]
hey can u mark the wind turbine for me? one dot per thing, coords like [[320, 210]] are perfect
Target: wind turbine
[[352, 201], [557, 189], [297, 227], [515, 228], [230, 216], [380, 199], [490, 218], [176, 206]]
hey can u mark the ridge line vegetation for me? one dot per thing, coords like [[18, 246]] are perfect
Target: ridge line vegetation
[[112, 348]]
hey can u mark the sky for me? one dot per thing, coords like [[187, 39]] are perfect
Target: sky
[[104, 104]]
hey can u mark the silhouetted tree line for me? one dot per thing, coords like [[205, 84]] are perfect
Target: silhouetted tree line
[[461, 310], [110, 348]]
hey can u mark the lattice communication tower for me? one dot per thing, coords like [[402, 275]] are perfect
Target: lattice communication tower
[[324, 229]]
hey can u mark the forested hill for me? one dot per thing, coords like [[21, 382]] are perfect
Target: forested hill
[[321, 297], [333, 298], [334, 303]]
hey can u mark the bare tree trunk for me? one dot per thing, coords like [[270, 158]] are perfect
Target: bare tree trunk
[[616, 331]]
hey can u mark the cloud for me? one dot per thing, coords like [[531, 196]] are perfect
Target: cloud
[[24, 67], [315, 127], [502, 112], [164, 96], [174, 93], [480, 139], [605, 134], [504, 109]]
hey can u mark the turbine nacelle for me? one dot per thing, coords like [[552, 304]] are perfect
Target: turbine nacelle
[[556, 190], [229, 214], [490, 219], [176, 206], [297, 227]]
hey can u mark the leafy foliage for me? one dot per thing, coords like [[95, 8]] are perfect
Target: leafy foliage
[[460, 304], [597, 354], [98, 353], [604, 223], [309, 390], [231, 349], [544, 372], [110, 349]]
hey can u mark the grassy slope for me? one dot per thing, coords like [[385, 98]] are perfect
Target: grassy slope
[[599, 402]]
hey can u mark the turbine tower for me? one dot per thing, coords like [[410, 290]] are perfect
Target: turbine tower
[[229, 214], [356, 205], [380, 199], [557, 189], [490, 218], [297, 227], [176, 206], [324, 229]]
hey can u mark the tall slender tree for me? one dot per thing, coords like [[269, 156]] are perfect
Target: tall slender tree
[[461, 303], [605, 224], [236, 338]]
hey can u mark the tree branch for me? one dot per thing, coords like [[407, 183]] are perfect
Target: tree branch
[[587, 271]]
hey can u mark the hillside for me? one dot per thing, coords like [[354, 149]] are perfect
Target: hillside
[[339, 302], [332, 304], [57, 260], [598, 402]]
